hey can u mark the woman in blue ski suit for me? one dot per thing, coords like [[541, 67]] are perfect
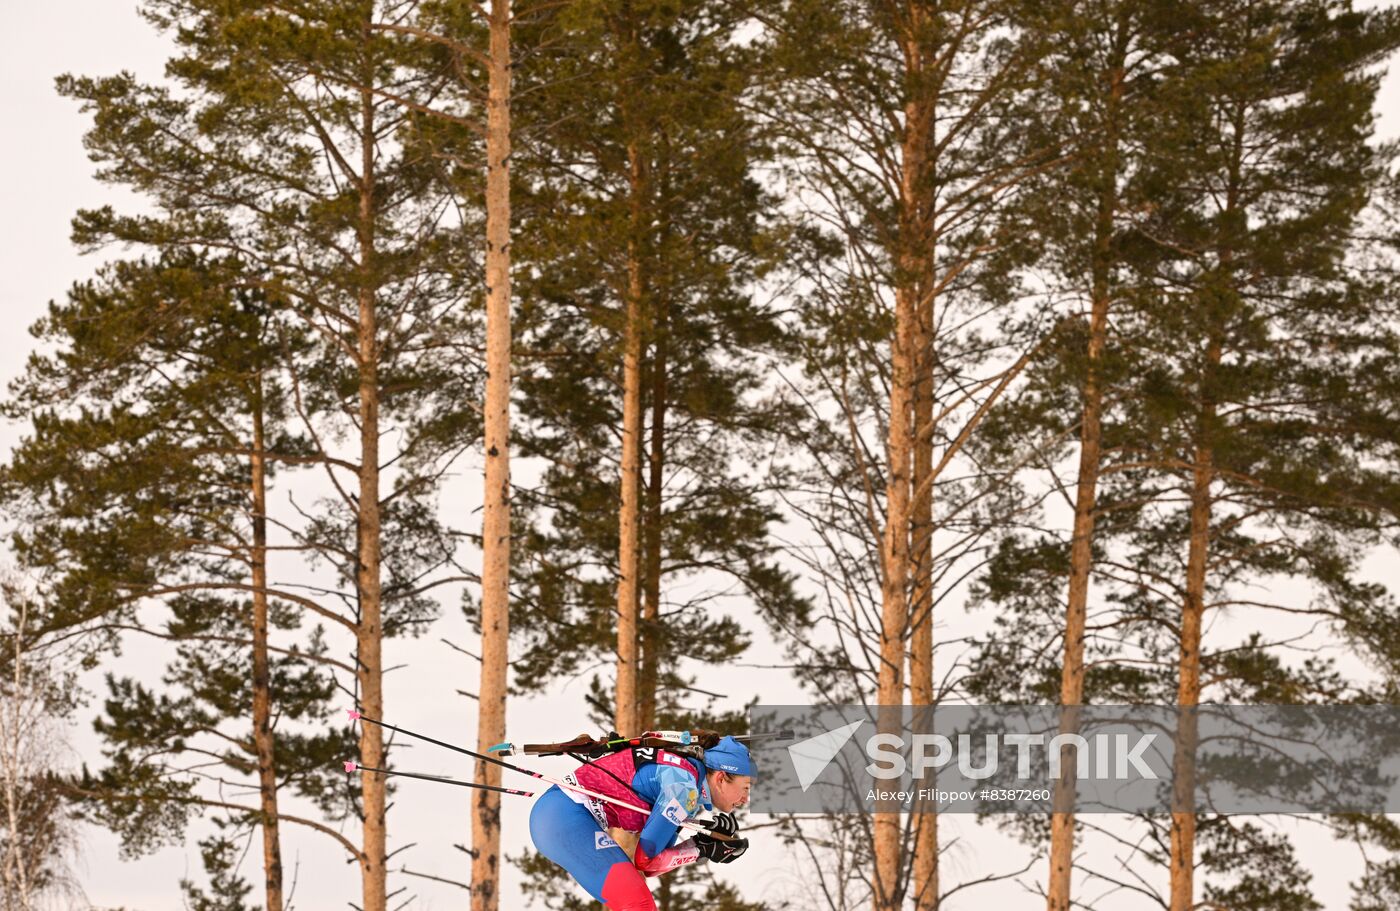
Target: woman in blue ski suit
[[571, 829]]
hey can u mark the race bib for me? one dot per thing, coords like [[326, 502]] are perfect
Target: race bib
[[594, 806]]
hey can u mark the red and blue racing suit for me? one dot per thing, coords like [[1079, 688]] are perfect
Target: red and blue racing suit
[[571, 829]]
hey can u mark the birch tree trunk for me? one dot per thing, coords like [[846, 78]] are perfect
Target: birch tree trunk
[[495, 528], [16, 724]]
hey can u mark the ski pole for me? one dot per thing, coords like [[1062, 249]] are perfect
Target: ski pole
[[353, 766], [684, 824]]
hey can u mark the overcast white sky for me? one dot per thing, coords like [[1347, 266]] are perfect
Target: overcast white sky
[[44, 178]]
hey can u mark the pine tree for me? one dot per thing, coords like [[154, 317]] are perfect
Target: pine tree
[[1243, 219], [295, 140], [644, 389], [640, 227], [1261, 329], [158, 424], [895, 119], [473, 106], [1097, 98]]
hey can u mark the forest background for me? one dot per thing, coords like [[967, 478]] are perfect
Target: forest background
[[49, 178]]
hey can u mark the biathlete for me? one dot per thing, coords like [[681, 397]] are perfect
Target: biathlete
[[571, 829]]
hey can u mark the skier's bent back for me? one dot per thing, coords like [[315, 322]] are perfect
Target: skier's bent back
[[571, 829]]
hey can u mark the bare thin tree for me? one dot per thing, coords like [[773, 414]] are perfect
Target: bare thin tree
[[37, 832]]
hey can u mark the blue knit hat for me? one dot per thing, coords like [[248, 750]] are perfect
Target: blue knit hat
[[729, 755]]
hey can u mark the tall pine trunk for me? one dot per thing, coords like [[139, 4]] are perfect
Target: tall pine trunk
[[629, 514], [627, 718], [651, 635], [262, 690], [912, 258], [1188, 694], [1085, 502], [495, 527], [894, 613], [1188, 697], [370, 629], [925, 873], [1183, 830], [649, 678]]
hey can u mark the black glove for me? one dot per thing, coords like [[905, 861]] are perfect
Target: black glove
[[723, 824], [721, 852]]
